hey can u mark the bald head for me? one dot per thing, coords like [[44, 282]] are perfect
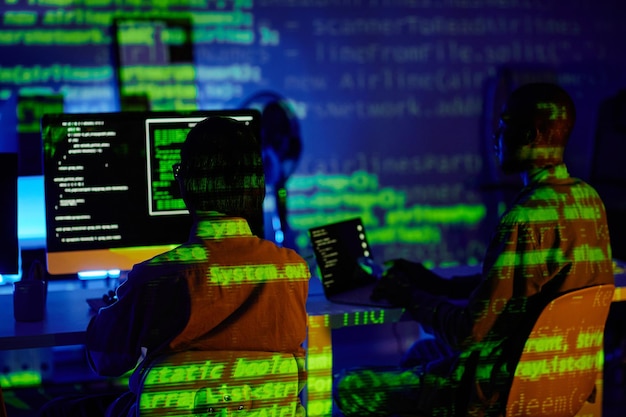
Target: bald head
[[544, 107], [535, 126]]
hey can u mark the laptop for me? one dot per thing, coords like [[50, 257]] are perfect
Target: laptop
[[345, 263]]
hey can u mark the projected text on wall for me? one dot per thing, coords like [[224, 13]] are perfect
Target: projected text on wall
[[389, 92]]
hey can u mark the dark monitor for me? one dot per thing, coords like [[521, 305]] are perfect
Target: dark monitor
[[30, 110], [154, 57], [110, 194], [9, 247]]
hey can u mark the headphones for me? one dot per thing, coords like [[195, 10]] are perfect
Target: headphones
[[281, 143], [281, 147]]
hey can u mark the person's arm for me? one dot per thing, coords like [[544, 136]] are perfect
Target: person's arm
[[463, 286], [498, 302], [459, 324], [112, 343], [456, 287], [150, 310], [424, 296]]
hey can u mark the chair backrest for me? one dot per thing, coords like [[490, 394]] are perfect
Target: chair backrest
[[559, 365], [221, 383]]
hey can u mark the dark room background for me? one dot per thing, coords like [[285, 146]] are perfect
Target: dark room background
[[395, 99]]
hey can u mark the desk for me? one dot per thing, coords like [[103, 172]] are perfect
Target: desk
[[68, 314], [324, 317], [67, 317]]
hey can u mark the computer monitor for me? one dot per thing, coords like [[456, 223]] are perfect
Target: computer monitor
[[9, 248], [110, 194]]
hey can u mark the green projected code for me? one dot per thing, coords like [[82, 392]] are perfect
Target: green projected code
[[400, 220], [166, 152], [254, 383]]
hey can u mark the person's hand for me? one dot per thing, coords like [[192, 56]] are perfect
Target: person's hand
[[396, 287], [417, 275], [413, 269]]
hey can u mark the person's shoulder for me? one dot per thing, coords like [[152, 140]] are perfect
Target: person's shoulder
[[583, 189], [186, 254], [281, 251], [527, 208], [286, 260]]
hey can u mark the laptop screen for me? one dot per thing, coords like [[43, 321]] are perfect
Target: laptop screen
[[338, 249]]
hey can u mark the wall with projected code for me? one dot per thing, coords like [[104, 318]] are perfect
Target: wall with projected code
[[395, 98]]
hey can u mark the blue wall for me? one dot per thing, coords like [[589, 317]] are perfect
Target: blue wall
[[395, 98]]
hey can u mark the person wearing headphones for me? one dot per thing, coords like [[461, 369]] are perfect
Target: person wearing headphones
[[224, 289]]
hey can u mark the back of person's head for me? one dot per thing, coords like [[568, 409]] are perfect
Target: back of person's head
[[542, 110], [221, 169]]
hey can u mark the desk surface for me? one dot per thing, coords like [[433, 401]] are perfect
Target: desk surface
[[68, 314], [67, 317]]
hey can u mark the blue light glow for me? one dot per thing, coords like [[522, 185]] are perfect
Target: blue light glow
[[31, 212]]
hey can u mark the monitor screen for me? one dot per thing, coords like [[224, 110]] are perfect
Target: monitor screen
[[110, 194]]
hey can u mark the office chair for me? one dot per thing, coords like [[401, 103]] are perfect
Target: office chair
[[205, 383], [561, 359]]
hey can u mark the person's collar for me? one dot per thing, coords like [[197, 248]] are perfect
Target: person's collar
[[214, 225], [545, 174]]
